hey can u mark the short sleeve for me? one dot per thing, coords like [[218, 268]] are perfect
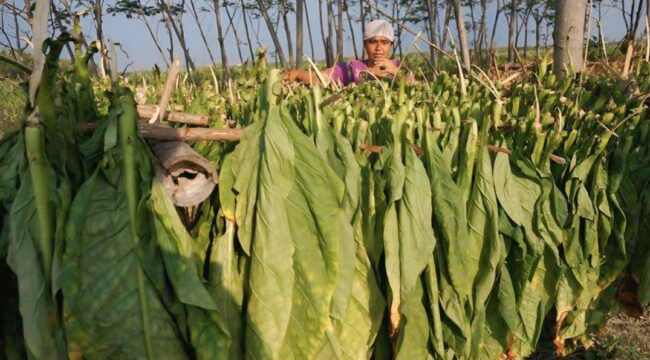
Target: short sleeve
[[337, 72]]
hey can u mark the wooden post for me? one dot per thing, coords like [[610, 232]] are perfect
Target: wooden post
[[172, 74]]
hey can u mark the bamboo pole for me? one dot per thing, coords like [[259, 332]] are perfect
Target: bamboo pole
[[172, 74], [145, 112], [165, 133]]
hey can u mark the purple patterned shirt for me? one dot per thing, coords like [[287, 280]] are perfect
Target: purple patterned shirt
[[350, 71]]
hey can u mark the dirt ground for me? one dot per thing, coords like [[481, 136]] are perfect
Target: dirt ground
[[623, 338]]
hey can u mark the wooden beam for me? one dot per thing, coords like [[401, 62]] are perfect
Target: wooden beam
[[146, 112], [165, 133]]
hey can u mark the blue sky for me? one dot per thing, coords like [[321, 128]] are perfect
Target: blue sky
[[132, 35]]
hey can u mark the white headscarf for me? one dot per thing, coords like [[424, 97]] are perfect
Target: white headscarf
[[379, 28]]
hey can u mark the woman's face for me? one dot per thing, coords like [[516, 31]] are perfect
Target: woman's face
[[377, 48]]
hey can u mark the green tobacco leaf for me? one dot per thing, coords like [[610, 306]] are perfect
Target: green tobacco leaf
[[451, 255], [38, 210], [272, 276], [517, 195], [43, 333], [450, 219], [112, 277], [483, 233], [414, 250], [415, 231], [208, 330], [295, 243]]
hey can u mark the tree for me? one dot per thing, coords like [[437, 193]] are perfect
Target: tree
[[220, 39], [195, 15], [512, 29], [134, 8], [462, 33], [299, 32], [432, 15], [231, 25], [541, 12], [174, 16], [248, 36], [339, 30], [274, 35], [284, 10], [631, 17], [568, 36], [354, 41]]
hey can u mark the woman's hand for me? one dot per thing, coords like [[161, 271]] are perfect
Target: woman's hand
[[384, 68]]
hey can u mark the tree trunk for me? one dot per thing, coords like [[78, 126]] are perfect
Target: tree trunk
[[462, 34], [445, 35], [328, 60], [362, 14], [568, 35], [482, 30], [432, 12], [637, 19], [512, 30], [155, 40], [287, 31], [473, 27], [231, 20], [523, 26], [99, 30], [274, 34], [339, 30], [220, 39], [494, 27], [538, 29], [189, 64], [170, 35], [299, 32], [311, 38], [180, 35], [248, 35], [331, 33], [526, 36], [354, 40], [395, 15], [195, 15], [17, 27]]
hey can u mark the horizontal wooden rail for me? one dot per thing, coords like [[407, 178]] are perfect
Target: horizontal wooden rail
[[165, 133], [145, 112]]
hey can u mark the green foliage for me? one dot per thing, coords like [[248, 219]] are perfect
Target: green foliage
[[13, 97], [392, 221]]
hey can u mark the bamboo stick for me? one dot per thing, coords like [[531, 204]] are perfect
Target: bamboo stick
[[166, 133], [146, 112], [167, 92]]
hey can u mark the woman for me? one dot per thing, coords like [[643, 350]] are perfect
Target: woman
[[377, 42]]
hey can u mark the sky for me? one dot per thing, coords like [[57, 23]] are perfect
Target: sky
[[139, 52]]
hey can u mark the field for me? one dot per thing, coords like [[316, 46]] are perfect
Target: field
[[477, 216]]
